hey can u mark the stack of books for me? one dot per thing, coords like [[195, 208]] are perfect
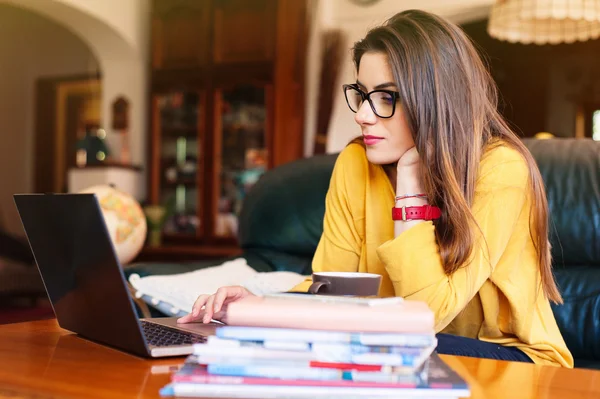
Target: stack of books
[[379, 348]]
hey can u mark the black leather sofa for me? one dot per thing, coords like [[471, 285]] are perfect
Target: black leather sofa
[[281, 223]]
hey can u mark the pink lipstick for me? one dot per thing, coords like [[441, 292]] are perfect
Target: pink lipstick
[[371, 140]]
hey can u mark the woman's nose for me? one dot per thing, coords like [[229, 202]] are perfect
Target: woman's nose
[[365, 115]]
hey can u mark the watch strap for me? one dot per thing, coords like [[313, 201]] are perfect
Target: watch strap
[[423, 212]]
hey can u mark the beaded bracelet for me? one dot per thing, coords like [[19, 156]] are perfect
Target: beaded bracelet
[[401, 197]]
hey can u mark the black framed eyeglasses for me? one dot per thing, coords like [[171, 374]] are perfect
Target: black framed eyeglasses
[[382, 102]]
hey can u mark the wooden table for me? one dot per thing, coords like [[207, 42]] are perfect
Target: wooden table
[[40, 360]]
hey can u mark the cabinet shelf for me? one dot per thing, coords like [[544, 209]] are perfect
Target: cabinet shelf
[[172, 253], [237, 102], [191, 133], [170, 237], [188, 182]]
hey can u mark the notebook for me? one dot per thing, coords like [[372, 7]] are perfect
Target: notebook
[[175, 294], [298, 313]]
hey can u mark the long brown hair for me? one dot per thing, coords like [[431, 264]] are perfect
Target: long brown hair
[[450, 102]]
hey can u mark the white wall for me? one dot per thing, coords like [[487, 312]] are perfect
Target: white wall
[[117, 32], [123, 51], [124, 67], [128, 18], [355, 21], [30, 47]]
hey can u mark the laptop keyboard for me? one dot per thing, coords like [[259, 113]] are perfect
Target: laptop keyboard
[[159, 335]]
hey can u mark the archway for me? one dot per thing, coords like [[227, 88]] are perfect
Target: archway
[[33, 47], [117, 33]]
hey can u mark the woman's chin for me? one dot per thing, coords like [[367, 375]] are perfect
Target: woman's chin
[[380, 158]]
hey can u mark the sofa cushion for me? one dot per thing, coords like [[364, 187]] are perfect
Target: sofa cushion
[[571, 172], [579, 317], [282, 217]]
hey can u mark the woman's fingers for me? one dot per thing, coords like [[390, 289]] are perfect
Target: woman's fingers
[[209, 309], [188, 318], [222, 315], [200, 302], [214, 305], [221, 295], [196, 309]]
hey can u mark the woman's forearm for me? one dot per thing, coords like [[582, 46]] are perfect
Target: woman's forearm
[[407, 183]]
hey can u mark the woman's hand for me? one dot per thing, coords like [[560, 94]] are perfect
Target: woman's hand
[[409, 159], [408, 182], [215, 305], [407, 173]]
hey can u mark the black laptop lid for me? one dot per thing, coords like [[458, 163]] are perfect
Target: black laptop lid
[[81, 273]]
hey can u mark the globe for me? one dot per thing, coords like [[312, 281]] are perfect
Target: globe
[[124, 218]]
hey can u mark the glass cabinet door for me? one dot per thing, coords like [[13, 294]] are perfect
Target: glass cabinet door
[[240, 151], [180, 126]]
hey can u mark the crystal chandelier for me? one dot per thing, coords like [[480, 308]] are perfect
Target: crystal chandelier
[[545, 21]]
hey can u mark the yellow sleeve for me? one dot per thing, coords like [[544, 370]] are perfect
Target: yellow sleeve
[[341, 242], [413, 261]]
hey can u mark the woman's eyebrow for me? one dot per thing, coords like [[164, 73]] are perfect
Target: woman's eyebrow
[[385, 85], [379, 86]]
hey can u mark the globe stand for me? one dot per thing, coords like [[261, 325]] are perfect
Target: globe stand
[[155, 238], [155, 216]]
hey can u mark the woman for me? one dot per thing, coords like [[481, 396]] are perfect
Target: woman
[[473, 242]]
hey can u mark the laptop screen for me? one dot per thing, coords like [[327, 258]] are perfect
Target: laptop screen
[[79, 267]]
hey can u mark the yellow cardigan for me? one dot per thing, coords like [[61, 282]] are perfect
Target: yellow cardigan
[[496, 297]]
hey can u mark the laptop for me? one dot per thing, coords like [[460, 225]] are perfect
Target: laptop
[[85, 282]]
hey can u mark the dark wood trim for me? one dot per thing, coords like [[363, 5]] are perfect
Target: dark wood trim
[[186, 252], [204, 77], [242, 73], [44, 135], [588, 117], [45, 128], [112, 164], [270, 125], [282, 77], [288, 83], [200, 168], [207, 215], [179, 79], [154, 158], [217, 150], [222, 27]]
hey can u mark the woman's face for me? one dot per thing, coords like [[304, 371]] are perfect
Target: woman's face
[[386, 139]]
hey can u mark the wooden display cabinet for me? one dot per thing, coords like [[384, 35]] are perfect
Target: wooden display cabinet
[[226, 105]]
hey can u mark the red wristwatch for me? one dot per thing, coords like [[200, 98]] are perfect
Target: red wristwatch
[[424, 212]]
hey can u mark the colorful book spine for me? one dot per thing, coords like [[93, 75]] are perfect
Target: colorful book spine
[[313, 336], [308, 346], [434, 380], [386, 355], [341, 356], [273, 375], [274, 391], [278, 372], [277, 345], [251, 352], [206, 360]]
